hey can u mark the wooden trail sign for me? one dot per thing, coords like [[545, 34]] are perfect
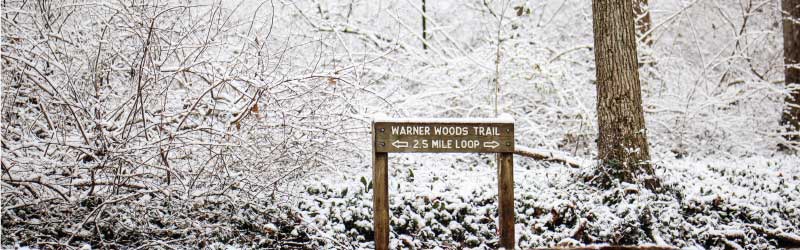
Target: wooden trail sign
[[476, 135], [445, 136]]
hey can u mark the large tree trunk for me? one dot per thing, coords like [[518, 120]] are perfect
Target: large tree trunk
[[622, 142], [791, 58]]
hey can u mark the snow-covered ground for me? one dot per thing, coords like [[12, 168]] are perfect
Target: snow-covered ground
[[450, 201], [249, 124]]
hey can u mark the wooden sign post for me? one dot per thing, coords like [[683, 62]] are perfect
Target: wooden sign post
[[482, 135]]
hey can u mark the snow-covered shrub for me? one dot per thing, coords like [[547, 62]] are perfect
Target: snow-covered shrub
[[112, 109], [182, 102], [707, 204], [712, 83]]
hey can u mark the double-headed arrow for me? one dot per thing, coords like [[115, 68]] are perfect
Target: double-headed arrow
[[404, 144]]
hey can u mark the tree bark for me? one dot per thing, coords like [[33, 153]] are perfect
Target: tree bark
[[641, 11], [791, 59], [622, 142], [424, 27]]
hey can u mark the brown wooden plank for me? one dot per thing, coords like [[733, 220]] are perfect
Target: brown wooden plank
[[380, 198], [505, 184], [463, 137]]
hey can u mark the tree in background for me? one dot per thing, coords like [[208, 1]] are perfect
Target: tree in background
[[424, 27], [622, 142], [643, 21], [791, 58], [641, 11]]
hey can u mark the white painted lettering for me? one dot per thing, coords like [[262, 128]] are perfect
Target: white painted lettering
[[411, 130]]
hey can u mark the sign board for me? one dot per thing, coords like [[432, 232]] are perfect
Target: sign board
[[444, 137], [482, 135]]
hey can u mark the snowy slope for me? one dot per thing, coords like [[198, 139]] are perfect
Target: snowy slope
[[450, 201]]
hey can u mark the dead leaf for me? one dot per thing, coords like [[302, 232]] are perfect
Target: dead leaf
[[254, 109]]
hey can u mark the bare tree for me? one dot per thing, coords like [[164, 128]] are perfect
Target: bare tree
[[622, 142], [644, 22], [113, 109], [791, 58], [424, 27]]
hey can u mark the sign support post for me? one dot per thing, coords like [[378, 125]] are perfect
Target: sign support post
[[505, 198], [380, 195], [483, 135]]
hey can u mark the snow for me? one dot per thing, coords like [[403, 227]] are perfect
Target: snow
[[245, 124], [502, 118], [454, 197]]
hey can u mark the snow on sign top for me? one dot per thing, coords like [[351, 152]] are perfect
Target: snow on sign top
[[503, 118], [443, 135]]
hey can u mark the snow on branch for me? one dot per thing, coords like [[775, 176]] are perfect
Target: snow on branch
[[550, 156], [503, 118]]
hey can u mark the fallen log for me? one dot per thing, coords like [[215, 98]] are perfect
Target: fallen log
[[783, 239], [549, 156], [607, 247]]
